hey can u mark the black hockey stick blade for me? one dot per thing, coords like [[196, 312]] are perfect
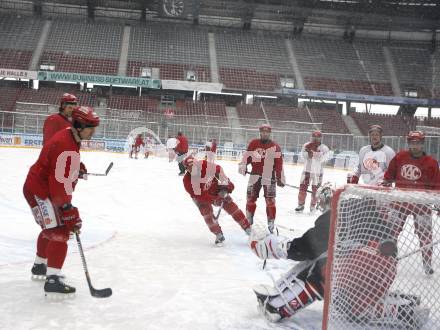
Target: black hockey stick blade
[[103, 174], [109, 168], [101, 293], [97, 293]]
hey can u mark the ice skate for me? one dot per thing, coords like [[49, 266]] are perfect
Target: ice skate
[[219, 239], [39, 272], [55, 288], [299, 208], [271, 225]]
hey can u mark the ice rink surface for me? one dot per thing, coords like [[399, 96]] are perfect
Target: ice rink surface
[[146, 240]]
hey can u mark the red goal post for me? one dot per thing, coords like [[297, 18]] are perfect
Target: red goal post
[[366, 288]]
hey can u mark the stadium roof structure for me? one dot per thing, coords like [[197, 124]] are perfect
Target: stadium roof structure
[[413, 15]]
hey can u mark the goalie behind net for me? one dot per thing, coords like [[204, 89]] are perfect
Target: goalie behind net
[[396, 287]]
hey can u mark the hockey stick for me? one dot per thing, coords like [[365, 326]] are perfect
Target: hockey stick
[[103, 293], [286, 184], [103, 174], [219, 210], [418, 250]]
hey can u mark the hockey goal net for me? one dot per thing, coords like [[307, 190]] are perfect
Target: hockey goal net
[[383, 262]]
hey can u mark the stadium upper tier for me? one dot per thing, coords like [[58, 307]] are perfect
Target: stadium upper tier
[[249, 61]]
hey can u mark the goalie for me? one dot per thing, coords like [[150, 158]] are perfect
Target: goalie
[[363, 289]]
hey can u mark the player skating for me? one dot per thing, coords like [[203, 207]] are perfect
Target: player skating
[[211, 150], [414, 169], [138, 144], [148, 148], [369, 268], [58, 121], [266, 160], [171, 144], [48, 192], [181, 150], [208, 186], [373, 159], [315, 155]]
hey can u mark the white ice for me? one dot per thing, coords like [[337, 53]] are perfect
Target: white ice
[[146, 240]]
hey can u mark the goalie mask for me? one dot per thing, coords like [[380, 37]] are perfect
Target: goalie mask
[[324, 196]]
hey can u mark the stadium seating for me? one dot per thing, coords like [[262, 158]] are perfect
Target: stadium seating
[[84, 47], [129, 102], [173, 48], [18, 38], [413, 67], [393, 125], [331, 120], [251, 61]]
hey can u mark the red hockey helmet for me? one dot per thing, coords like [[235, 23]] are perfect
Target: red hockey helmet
[[317, 134], [188, 161], [84, 117], [68, 98], [265, 127], [415, 136], [376, 128]]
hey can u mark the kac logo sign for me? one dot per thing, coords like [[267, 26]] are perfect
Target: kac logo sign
[[410, 172]]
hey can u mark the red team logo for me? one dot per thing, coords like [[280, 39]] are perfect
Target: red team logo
[[410, 172]]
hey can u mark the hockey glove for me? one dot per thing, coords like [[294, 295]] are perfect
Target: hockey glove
[[69, 216], [82, 171], [269, 248], [351, 178], [280, 183], [222, 191]]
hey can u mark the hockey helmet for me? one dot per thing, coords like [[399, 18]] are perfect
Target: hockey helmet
[[316, 134], [376, 128], [84, 117], [265, 127], [68, 98], [415, 136], [324, 194]]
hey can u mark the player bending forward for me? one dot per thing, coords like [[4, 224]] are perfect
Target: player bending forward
[[364, 289], [207, 185], [48, 192]]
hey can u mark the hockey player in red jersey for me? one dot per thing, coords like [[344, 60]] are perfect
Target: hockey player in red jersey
[[363, 290], [315, 154], [414, 169], [181, 150], [138, 143], [207, 185], [56, 122], [48, 190], [266, 160]]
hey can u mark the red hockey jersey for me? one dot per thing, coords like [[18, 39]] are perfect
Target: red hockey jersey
[[55, 173], [53, 124], [416, 173], [139, 142], [203, 183], [258, 153]]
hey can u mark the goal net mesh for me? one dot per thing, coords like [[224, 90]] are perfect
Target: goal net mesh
[[383, 264]]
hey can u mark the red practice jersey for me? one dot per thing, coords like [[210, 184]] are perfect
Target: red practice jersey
[[139, 142], [182, 146], [55, 173], [203, 183], [53, 124], [257, 153], [416, 173], [214, 147]]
